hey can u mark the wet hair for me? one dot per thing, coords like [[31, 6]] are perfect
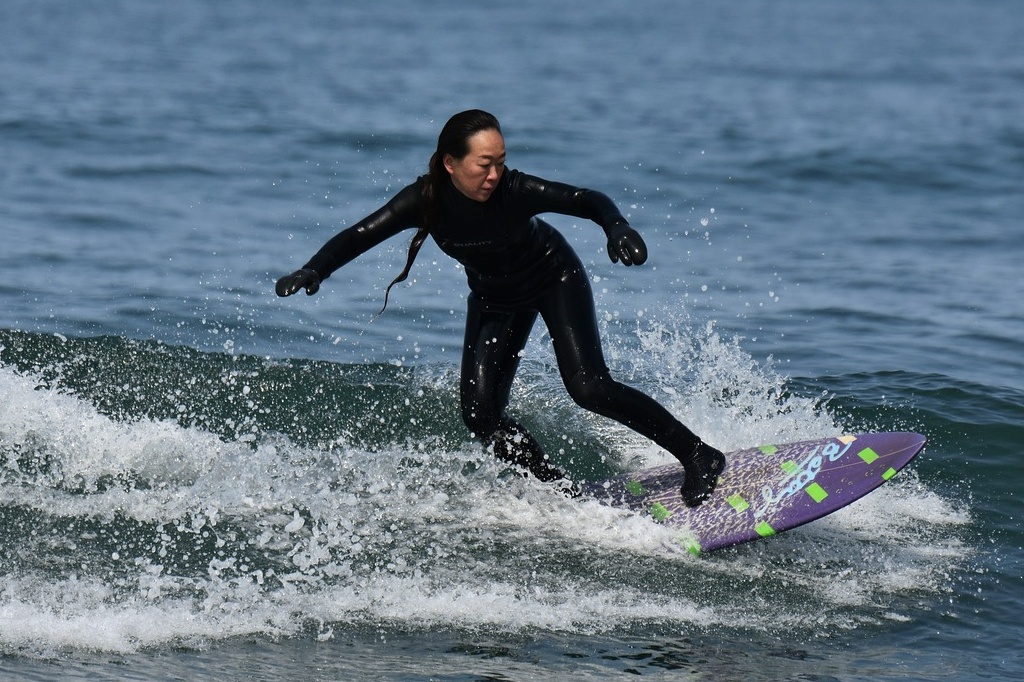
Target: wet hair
[[453, 141]]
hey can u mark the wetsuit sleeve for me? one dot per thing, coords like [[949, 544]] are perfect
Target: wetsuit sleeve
[[401, 212], [556, 197]]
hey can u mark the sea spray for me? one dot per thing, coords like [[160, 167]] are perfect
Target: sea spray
[[130, 523]]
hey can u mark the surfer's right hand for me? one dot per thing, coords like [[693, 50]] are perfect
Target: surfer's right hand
[[300, 279]]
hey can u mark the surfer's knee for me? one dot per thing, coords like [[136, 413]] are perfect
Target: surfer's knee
[[477, 414], [590, 390], [477, 421], [481, 418]]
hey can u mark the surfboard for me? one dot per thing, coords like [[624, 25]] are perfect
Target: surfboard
[[767, 489]]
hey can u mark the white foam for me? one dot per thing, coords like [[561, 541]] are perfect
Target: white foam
[[408, 536], [78, 446]]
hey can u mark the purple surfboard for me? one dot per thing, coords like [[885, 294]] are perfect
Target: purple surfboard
[[767, 489]]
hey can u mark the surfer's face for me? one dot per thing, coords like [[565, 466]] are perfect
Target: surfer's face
[[477, 173]]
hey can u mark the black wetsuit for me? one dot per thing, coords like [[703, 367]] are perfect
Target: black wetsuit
[[518, 266]]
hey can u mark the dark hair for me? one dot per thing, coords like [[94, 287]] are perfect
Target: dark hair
[[453, 141]]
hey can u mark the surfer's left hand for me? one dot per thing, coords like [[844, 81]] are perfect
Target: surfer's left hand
[[625, 244]]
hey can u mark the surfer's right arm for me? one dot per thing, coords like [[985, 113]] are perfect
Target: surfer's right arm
[[403, 211]]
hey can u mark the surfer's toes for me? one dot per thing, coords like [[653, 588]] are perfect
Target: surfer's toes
[[702, 475]]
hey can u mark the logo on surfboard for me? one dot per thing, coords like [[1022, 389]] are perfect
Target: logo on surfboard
[[800, 476]]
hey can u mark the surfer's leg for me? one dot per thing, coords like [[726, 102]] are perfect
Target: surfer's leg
[[490, 358], [568, 311]]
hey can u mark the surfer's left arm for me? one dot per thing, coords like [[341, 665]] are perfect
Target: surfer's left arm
[[624, 243]]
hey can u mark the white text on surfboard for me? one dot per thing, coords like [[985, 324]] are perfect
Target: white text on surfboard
[[804, 474]]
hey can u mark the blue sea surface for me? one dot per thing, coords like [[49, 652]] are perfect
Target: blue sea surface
[[201, 480]]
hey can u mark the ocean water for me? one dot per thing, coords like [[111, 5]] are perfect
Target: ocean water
[[199, 480]]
